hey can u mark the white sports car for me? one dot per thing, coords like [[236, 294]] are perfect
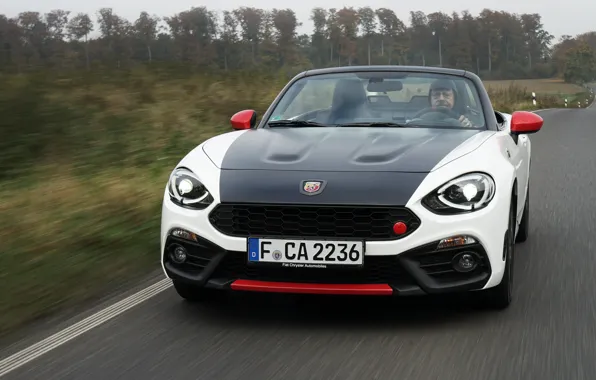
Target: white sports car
[[373, 180]]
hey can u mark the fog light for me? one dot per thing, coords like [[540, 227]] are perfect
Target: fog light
[[465, 262], [179, 255]]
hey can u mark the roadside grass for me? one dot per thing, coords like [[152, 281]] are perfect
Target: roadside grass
[[83, 165], [540, 86], [84, 159], [67, 239], [508, 95]]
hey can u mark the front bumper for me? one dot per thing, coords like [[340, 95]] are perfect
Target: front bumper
[[410, 264], [419, 271]]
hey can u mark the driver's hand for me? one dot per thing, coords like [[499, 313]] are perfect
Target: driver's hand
[[465, 122]]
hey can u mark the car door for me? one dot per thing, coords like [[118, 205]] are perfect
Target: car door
[[517, 150]]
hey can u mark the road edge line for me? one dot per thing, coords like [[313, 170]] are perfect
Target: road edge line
[[44, 346]]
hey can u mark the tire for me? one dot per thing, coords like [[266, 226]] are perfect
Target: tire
[[500, 296], [524, 225], [193, 293]]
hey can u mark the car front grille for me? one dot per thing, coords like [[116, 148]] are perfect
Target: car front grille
[[365, 222]]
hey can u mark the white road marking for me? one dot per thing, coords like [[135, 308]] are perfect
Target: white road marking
[[28, 354], [592, 104]]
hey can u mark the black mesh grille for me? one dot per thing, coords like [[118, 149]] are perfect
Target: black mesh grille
[[371, 223], [376, 270]]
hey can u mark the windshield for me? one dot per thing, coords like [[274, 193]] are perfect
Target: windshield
[[385, 99]]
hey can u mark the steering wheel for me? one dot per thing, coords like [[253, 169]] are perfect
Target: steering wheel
[[435, 114], [440, 111]]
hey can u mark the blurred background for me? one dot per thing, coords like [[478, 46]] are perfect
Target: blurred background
[[96, 109]]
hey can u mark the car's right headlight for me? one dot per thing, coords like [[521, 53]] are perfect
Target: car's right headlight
[[467, 193], [186, 190]]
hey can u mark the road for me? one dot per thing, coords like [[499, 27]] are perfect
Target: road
[[549, 332]]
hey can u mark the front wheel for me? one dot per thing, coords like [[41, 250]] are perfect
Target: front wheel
[[500, 296], [524, 226]]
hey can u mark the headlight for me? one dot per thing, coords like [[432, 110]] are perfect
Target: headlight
[[467, 193], [186, 190]]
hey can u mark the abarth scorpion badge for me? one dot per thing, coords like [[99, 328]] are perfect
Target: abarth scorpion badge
[[312, 187]]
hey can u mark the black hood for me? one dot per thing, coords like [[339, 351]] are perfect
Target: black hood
[[343, 149], [358, 166]]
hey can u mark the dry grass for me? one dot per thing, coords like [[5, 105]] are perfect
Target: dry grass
[[83, 170], [509, 96], [540, 86], [83, 165], [66, 238]]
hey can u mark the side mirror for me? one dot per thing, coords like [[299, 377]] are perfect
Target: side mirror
[[244, 119], [524, 122]]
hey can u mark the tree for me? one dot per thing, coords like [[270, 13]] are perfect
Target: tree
[[580, 65], [146, 29], [78, 27], [251, 21], [493, 44], [393, 34], [319, 42], [368, 22], [229, 36]]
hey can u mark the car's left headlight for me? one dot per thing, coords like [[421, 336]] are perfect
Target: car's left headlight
[[469, 192], [187, 190]]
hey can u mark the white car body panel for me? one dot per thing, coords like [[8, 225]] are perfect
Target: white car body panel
[[521, 154], [215, 148]]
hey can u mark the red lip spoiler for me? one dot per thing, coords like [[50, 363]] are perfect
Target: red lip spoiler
[[292, 287]]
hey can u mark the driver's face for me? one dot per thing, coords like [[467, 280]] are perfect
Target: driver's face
[[442, 98]]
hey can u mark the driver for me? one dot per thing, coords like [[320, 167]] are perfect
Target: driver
[[443, 94]]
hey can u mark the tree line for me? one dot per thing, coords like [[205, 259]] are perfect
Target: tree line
[[493, 44]]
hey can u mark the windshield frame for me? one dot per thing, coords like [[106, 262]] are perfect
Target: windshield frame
[[475, 81]]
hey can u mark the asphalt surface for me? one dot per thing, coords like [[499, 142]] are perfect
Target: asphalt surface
[[549, 332]]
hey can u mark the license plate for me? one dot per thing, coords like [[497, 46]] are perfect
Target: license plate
[[305, 253]]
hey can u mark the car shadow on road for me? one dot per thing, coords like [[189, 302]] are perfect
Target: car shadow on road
[[275, 310]]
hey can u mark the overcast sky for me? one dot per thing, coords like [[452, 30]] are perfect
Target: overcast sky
[[568, 17]]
